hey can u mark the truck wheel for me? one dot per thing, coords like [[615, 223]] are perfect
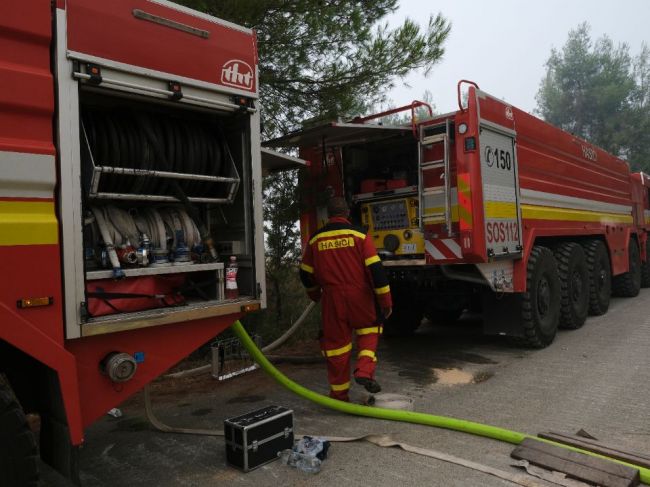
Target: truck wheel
[[574, 284], [540, 306], [645, 266], [600, 277], [18, 451], [404, 320], [628, 285]]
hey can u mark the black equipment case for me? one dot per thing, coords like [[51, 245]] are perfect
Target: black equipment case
[[255, 438]]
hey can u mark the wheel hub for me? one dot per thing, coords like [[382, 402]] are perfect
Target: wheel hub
[[543, 296], [577, 285]]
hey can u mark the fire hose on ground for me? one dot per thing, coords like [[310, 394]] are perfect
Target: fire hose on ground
[[424, 419]]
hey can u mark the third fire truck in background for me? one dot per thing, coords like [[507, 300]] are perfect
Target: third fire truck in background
[[484, 208]]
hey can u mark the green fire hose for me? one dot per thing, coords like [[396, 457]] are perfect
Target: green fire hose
[[478, 429]]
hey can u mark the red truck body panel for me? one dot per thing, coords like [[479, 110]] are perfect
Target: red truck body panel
[[29, 221], [561, 186], [227, 57], [27, 95]]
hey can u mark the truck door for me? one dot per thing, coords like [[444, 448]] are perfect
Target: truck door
[[500, 190]]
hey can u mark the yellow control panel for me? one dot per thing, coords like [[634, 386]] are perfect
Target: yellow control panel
[[393, 225]]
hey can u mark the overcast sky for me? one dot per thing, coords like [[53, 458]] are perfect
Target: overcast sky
[[503, 44]]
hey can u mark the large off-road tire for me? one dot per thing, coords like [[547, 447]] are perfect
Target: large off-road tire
[[628, 285], [18, 450], [574, 284], [645, 266], [405, 319], [540, 305], [600, 277]]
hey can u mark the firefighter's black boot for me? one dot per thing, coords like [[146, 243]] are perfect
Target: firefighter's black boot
[[371, 385]]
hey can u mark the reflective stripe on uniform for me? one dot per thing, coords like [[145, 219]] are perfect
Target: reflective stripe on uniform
[[372, 260], [382, 290], [338, 351], [367, 353], [337, 233], [307, 268], [340, 387], [369, 330]]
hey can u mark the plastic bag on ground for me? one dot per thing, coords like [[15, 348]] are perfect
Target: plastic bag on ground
[[307, 455]]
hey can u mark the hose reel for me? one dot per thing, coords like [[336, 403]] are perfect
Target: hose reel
[[145, 156], [149, 236]]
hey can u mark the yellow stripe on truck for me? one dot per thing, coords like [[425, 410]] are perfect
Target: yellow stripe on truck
[[534, 212], [28, 223], [500, 209]]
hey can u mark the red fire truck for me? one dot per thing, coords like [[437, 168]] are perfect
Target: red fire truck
[[129, 172], [488, 208]]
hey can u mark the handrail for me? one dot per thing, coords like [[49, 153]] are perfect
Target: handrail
[[460, 104], [414, 104]]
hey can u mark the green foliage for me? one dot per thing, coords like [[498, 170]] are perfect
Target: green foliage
[[598, 91], [328, 57], [318, 59], [284, 287], [281, 212]]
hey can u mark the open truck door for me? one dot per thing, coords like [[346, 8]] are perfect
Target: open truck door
[[327, 146]]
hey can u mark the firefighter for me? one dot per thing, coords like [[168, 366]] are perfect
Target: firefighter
[[340, 265]]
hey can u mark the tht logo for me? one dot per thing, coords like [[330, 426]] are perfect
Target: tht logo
[[237, 73]]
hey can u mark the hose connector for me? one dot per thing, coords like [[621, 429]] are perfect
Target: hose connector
[[159, 258], [181, 252], [127, 255]]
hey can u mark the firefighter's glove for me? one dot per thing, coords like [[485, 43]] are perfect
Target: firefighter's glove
[[387, 312], [314, 295]]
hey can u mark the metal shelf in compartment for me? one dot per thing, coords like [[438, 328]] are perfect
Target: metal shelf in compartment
[[158, 270]]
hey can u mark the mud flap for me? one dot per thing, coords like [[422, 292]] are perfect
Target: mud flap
[[501, 313]]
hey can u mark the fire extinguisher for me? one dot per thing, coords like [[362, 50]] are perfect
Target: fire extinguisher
[[232, 291]]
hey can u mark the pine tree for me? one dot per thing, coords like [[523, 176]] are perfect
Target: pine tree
[[599, 92]]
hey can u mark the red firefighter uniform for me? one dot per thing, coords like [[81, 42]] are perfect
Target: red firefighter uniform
[[341, 264]]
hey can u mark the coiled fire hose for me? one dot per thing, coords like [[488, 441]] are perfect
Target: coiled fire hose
[[445, 422]]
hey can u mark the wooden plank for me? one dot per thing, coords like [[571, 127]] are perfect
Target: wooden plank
[[595, 442], [577, 465], [612, 451], [583, 459]]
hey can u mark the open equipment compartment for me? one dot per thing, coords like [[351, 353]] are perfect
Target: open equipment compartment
[[134, 191], [381, 180], [157, 192]]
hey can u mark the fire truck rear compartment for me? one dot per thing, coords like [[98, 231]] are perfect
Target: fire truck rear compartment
[[381, 179], [380, 166], [155, 177]]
